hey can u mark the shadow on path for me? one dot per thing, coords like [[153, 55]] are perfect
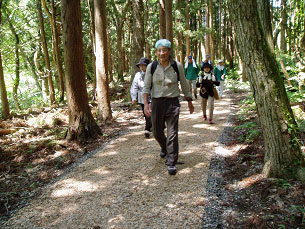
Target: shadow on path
[[126, 184]]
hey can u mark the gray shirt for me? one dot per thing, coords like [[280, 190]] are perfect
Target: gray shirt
[[165, 82], [137, 87]]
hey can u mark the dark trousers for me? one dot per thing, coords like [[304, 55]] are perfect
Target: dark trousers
[[148, 124], [166, 110]]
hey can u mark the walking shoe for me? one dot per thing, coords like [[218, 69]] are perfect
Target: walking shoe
[[146, 133], [162, 153], [211, 122], [205, 117], [171, 170]]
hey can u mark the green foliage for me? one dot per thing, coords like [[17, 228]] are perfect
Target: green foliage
[[251, 131], [283, 183]]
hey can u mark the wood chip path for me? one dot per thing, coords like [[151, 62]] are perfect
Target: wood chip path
[[126, 184]]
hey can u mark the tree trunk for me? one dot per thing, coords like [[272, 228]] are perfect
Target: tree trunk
[[169, 20], [17, 65], [283, 152], [42, 75], [231, 47], [211, 21], [110, 73], [224, 34], [81, 122], [187, 21], [46, 55], [4, 100], [102, 79], [220, 29], [58, 60], [162, 19], [138, 35], [208, 36], [92, 36], [283, 26]]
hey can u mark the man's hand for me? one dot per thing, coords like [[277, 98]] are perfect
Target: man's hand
[[147, 110], [191, 107], [134, 102]]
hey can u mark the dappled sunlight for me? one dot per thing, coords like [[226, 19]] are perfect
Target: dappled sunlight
[[185, 171], [108, 153], [200, 165], [71, 187], [219, 150], [246, 182], [206, 126], [188, 134], [116, 219]]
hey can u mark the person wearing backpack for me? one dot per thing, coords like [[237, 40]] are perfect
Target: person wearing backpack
[[161, 79], [136, 92], [191, 72]]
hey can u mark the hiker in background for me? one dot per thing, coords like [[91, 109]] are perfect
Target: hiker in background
[[206, 83], [136, 92], [161, 80], [220, 73], [191, 71], [207, 60]]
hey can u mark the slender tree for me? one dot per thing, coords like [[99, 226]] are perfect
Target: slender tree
[[187, 18], [81, 122], [4, 100], [253, 31], [169, 20], [102, 60], [120, 18], [283, 26], [138, 34], [17, 62], [46, 55], [162, 18]]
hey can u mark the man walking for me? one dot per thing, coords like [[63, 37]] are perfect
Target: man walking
[[161, 80]]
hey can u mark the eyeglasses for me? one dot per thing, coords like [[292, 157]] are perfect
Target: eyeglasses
[[163, 50]]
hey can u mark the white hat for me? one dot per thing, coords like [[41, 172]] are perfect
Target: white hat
[[219, 61]]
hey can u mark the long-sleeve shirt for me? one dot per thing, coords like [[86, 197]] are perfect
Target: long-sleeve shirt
[[190, 72], [164, 82], [137, 87], [218, 73]]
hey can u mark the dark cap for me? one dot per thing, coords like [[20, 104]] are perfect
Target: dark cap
[[144, 61]]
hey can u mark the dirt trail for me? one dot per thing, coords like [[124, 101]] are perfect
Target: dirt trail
[[126, 184]]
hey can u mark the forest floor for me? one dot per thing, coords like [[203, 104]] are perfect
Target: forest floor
[[37, 156]]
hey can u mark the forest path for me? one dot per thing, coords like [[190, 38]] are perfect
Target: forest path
[[126, 184]]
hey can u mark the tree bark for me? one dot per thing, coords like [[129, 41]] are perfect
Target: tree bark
[[42, 74], [208, 35], [169, 20], [92, 36], [283, 152], [138, 35], [120, 20], [46, 55], [58, 60], [17, 65], [211, 21], [283, 26], [187, 21], [81, 122], [162, 19], [4, 100], [102, 78]]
